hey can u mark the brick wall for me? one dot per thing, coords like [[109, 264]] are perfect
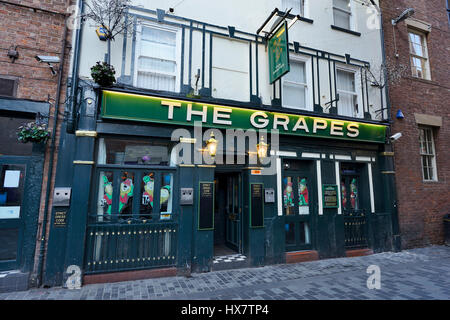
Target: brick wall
[[421, 204], [37, 31]]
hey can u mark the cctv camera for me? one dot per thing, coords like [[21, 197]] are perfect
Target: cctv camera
[[48, 59], [396, 136]]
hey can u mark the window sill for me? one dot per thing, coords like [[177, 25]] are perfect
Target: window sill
[[427, 81], [345, 30]]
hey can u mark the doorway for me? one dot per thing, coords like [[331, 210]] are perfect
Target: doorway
[[228, 213], [353, 209]]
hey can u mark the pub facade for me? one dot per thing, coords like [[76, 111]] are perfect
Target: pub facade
[[196, 159]]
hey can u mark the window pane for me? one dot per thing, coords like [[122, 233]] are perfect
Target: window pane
[[288, 195], [290, 233], [126, 193], [105, 193], [132, 152], [147, 189], [344, 194], [9, 145], [303, 196], [166, 195], [9, 239], [157, 50], [342, 4], [345, 80], [296, 73], [155, 64], [304, 233], [296, 5], [294, 96], [354, 194], [347, 105], [11, 189], [341, 19], [159, 36], [155, 81]]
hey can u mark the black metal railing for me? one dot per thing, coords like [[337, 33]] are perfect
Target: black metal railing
[[355, 229], [129, 245]]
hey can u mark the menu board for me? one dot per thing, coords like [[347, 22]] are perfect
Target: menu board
[[330, 195], [206, 206], [256, 205]]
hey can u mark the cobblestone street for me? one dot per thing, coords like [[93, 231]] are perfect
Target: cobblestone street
[[411, 274]]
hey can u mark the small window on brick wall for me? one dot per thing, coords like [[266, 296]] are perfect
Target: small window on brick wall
[[427, 154], [7, 87]]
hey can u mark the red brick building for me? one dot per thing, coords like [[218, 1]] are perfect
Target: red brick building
[[417, 44], [29, 90]]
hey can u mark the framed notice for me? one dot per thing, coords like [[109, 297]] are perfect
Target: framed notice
[[279, 53], [256, 205], [330, 196], [206, 206]]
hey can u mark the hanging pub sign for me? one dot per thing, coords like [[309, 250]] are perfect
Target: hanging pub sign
[[279, 53]]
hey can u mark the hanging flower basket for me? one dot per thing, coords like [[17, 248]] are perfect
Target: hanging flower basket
[[33, 132], [103, 74]]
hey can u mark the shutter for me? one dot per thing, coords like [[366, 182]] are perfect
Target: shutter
[[7, 87]]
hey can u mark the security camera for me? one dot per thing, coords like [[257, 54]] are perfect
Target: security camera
[[395, 137], [48, 59], [404, 15]]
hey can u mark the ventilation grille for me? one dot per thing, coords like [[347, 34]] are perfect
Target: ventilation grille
[[7, 87]]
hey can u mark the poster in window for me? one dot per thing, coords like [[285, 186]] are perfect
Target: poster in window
[[288, 195], [303, 198]]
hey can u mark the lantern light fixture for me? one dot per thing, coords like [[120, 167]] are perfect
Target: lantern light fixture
[[211, 145]]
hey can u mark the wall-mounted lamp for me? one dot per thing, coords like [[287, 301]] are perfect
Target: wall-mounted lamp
[[404, 15], [262, 148], [211, 145], [13, 54]]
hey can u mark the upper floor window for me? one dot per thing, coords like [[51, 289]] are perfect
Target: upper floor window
[[427, 153], [419, 55], [157, 59], [298, 6], [295, 86], [348, 98], [342, 14]]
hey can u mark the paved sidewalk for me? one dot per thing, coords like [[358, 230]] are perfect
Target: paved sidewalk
[[412, 274]]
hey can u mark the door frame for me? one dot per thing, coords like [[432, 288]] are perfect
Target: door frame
[[239, 172], [310, 173]]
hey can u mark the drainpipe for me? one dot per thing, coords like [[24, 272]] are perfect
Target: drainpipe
[[76, 64], [51, 155], [389, 147]]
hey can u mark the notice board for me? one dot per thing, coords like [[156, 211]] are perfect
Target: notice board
[[256, 205], [206, 206]]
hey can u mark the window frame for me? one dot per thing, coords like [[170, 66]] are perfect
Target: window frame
[[146, 24], [308, 85], [350, 12], [428, 155], [159, 171], [359, 113], [426, 71]]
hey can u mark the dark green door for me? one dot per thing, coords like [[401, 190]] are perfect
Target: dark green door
[[298, 199], [13, 172], [355, 226], [234, 212]]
